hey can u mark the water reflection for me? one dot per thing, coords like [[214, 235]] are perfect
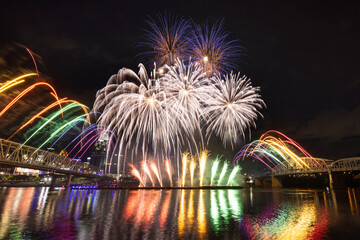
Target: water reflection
[[287, 222], [16, 208], [38, 213]]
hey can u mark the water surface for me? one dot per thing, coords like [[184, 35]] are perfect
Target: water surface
[[38, 213]]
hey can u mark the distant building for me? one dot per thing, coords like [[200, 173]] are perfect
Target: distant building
[[98, 154], [26, 171], [11, 170], [6, 169]]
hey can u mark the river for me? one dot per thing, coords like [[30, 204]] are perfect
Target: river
[[249, 213]]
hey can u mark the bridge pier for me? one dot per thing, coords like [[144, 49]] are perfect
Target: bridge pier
[[276, 182], [258, 182], [53, 181], [68, 181]]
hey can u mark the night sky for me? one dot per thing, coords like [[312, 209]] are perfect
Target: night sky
[[303, 55]]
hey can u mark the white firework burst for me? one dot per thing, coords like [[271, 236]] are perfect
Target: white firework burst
[[164, 113], [187, 88], [232, 108], [141, 115], [120, 83]]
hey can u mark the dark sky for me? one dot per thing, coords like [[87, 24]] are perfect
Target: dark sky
[[303, 55]]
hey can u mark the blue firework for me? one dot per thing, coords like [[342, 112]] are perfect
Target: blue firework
[[213, 50]]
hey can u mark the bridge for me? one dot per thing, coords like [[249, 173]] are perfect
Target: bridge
[[318, 165], [315, 166], [19, 155]]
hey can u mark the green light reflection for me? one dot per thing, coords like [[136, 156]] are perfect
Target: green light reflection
[[235, 204], [224, 209], [214, 213]]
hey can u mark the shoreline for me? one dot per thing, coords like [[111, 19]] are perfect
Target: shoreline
[[119, 187]]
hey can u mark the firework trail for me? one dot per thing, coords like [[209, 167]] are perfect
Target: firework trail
[[214, 169], [136, 174], [192, 171], [76, 120], [32, 57], [202, 164], [14, 82], [50, 123], [55, 115], [168, 170], [233, 174], [46, 109], [20, 95], [184, 163], [223, 172], [80, 141], [156, 172], [279, 153], [190, 163], [147, 171], [87, 145], [58, 102]]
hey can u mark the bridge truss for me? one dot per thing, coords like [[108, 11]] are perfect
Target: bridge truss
[[318, 165], [19, 155]]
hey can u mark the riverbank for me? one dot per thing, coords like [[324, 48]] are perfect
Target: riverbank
[[154, 188]]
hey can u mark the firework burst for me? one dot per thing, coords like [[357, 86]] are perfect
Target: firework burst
[[168, 39], [141, 114], [211, 48], [120, 83], [164, 114], [232, 108], [171, 38], [187, 88]]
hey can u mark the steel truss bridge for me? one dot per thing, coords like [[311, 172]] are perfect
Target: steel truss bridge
[[19, 155], [318, 165]]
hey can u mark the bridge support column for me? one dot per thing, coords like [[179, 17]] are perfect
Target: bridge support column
[[258, 182], [53, 181], [276, 182], [331, 183], [68, 181]]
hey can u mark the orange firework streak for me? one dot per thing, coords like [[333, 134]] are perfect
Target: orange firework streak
[[28, 90], [289, 140], [147, 171], [136, 174], [63, 100], [155, 170], [7, 86], [15, 81], [275, 141], [280, 146]]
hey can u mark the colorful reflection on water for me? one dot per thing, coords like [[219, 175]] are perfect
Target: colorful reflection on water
[[38, 213]]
